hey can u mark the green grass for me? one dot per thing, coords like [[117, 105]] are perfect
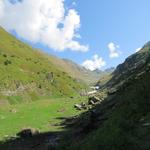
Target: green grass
[[29, 73], [42, 115]]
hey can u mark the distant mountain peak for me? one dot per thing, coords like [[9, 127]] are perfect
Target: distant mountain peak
[[110, 70]]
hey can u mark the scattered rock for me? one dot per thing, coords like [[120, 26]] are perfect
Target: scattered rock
[[50, 76], [83, 93], [13, 111], [146, 124], [61, 110], [84, 106], [93, 100], [92, 92], [28, 133], [78, 107], [81, 106]]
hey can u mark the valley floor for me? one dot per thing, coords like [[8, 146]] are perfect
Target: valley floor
[[44, 115]]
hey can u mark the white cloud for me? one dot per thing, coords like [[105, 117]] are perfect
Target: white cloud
[[113, 50], [95, 63], [1, 9], [138, 49], [45, 21]]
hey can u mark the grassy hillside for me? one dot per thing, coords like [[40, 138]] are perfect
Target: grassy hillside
[[27, 74], [122, 120], [76, 71]]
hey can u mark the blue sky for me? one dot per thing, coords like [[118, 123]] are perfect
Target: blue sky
[[123, 23]]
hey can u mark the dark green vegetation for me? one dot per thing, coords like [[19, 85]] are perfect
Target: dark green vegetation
[[122, 120]]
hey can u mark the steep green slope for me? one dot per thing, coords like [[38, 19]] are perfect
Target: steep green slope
[[27, 74], [122, 120]]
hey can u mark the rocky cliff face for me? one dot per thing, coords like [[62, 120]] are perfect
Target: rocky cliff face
[[132, 66]]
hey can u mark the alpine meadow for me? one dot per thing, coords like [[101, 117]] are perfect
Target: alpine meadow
[[74, 75]]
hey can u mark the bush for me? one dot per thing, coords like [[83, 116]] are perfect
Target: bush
[[4, 55], [7, 62]]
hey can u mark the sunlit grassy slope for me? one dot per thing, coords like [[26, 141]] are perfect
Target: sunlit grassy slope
[[27, 74]]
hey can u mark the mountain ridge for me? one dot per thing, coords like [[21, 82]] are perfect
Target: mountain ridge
[[121, 120]]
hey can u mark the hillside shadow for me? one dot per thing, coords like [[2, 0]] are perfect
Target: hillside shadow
[[40, 141], [73, 127]]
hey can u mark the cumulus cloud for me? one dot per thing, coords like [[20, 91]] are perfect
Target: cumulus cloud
[[113, 50], [45, 21], [138, 49], [95, 63]]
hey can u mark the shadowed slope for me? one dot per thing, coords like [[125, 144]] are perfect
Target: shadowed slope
[[122, 120]]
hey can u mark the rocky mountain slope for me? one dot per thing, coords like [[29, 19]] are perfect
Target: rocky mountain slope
[[76, 71], [122, 120], [133, 66]]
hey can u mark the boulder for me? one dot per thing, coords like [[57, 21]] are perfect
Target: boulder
[[28, 133], [84, 106], [50, 76], [78, 107], [81, 106], [93, 100]]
